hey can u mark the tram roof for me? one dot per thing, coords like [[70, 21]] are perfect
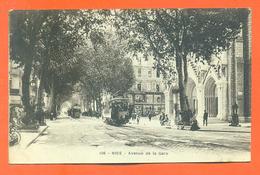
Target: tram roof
[[119, 99]]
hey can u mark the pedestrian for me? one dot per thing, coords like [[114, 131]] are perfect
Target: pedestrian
[[162, 117], [235, 120], [165, 120], [205, 118], [234, 108], [52, 116], [194, 125], [150, 116], [137, 118]]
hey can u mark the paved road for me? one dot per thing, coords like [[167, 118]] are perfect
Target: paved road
[[88, 139]]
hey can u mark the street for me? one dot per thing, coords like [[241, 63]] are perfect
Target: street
[[180, 64], [90, 140]]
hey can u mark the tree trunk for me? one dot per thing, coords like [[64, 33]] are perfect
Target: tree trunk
[[50, 99], [45, 63], [182, 92], [246, 57], [185, 71], [39, 101], [99, 105], [94, 104], [26, 88], [53, 100]]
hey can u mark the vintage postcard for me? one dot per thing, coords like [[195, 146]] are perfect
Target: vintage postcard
[[130, 86]]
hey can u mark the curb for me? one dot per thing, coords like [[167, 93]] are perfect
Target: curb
[[40, 133]]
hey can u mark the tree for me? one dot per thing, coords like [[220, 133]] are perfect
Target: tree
[[25, 31], [39, 41], [245, 18], [45, 42], [179, 34], [61, 35], [105, 68]]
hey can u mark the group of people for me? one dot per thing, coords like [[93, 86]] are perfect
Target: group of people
[[164, 119], [187, 119]]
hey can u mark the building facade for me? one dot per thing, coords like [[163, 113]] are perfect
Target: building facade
[[15, 84], [15, 87], [147, 94], [217, 86]]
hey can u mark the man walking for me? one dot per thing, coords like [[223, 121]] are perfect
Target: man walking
[[205, 118], [149, 114], [137, 118]]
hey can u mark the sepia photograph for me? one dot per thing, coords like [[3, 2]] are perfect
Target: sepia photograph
[[162, 85]]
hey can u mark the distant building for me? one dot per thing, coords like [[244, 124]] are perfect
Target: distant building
[[15, 87], [147, 94]]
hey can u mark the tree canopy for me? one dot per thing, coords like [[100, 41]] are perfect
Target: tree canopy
[[178, 34], [91, 46], [105, 68], [47, 44]]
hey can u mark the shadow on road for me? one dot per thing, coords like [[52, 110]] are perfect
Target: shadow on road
[[202, 130]]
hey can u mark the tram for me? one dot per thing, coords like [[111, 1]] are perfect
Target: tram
[[74, 111], [119, 112]]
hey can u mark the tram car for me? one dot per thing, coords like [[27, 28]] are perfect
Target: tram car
[[74, 111], [120, 111]]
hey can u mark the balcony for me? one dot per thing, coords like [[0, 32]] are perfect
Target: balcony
[[15, 99]]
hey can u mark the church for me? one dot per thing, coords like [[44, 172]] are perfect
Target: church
[[217, 86]]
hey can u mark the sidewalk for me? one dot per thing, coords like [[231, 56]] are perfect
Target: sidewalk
[[28, 137], [220, 126]]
